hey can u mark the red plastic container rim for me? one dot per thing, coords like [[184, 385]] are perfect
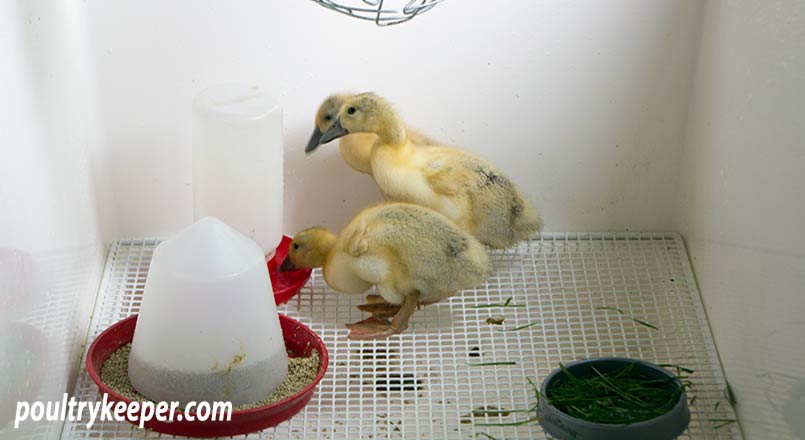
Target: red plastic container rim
[[285, 284], [324, 360]]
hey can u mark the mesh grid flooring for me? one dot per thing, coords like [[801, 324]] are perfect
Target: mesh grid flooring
[[56, 319], [420, 385]]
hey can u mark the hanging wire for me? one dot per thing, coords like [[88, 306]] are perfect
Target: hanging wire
[[382, 12]]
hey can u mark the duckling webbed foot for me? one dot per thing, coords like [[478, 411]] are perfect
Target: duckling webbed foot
[[373, 327], [377, 327]]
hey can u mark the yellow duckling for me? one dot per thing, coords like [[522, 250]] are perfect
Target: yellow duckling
[[412, 254], [355, 149], [466, 188]]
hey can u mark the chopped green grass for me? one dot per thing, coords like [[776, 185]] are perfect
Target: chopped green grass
[[730, 396], [614, 309], [486, 435], [536, 390], [507, 303], [497, 412], [721, 422], [639, 321], [645, 324], [522, 327], [486, 364], [480, 412], [679, 369], [522, 422], [621, 396]]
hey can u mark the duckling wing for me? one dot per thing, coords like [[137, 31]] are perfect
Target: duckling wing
[[366, 265], [357, 239], [443, 173], [438, 176]]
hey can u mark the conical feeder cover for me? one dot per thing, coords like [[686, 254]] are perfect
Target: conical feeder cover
[[208, 328]]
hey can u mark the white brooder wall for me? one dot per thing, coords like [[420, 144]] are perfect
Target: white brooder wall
[[51, 244], [742, 206], [582, 103]]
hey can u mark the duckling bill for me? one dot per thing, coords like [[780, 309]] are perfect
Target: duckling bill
[[315, 141], [287, 265], [334, 132]]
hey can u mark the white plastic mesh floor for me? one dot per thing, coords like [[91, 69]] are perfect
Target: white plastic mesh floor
[[423, 384]]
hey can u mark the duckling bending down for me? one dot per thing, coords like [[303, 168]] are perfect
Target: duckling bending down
[[356, 148], [466, 188], [414, 256]]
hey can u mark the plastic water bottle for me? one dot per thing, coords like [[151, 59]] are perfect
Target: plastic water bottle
[[237, 161]]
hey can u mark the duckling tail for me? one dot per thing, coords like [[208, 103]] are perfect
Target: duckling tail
[[527, 223]]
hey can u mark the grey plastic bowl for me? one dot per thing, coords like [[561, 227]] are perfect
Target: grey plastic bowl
[[564, 427]]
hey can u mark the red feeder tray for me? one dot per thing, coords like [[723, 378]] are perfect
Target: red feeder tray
[[285, 284], [299, 340]]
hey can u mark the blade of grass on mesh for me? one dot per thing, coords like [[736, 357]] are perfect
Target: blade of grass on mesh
[[501, 411], [487, 364], [729, 395], [522, 327], [507, 303], [536, 393], [645, 323], [678, 367], [614, 309], [524, 422], [721, 422]]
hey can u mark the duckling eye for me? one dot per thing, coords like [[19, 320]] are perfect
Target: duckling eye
[[351, 110], [296, 246], [328, 118]]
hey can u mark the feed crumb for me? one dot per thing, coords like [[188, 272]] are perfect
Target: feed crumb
[[301, 372], [495, 320]]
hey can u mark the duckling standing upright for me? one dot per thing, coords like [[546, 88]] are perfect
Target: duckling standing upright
[[464, 187], [414, 256], [356, 149]]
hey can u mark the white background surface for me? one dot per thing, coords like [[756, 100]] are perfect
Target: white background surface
[[609, 115], [582, 103], [742, 205], [48, 213]]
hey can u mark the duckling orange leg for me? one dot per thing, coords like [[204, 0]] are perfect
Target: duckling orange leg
[[379, 328], [377, 306], [375, 299]]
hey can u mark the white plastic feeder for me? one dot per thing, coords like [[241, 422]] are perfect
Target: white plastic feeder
[[208, 327]]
